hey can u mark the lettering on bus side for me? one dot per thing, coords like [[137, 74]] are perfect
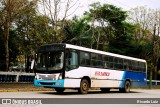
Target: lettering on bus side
[[98, 73]]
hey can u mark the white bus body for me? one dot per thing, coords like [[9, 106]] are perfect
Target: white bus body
[[84, 68]]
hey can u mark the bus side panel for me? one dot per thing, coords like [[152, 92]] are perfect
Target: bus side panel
[[78, 73], [105, 83], [138, 79], [73, 77], [112, 80], [72, 83]]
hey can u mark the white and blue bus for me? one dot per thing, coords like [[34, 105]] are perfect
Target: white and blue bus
[[62, 66]]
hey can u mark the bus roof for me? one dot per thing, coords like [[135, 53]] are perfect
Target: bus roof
[[102, 52]]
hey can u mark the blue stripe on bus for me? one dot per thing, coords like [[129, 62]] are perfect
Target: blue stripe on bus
[[138, 79], [49, 83]]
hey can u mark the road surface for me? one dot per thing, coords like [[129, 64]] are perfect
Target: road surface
[[142, 95]]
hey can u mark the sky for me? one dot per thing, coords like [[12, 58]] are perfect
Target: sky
[[124, 4], [78, 7]]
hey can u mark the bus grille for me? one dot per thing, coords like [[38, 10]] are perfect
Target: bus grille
[[44, 83], [47, 77]]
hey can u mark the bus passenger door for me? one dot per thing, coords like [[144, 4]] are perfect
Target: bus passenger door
[[71, 62]]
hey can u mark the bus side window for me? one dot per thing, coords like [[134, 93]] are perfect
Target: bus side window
[[71, 60], [74, 59], [130, 65], [111, 66], [116, 63], [84, 59], [96, 60], [136, 66], [125, 65], [142, 67], [106, 61], [120, 63]]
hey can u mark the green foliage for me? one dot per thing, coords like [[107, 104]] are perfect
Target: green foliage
[[13, 49], [112, 34], [115, 31], [103, 27], [124, 42], [77, 32], [2, 50]]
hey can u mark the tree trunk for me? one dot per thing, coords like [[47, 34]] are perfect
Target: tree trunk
[[150, 77], [6, 38], [155, 72], [27, 63]]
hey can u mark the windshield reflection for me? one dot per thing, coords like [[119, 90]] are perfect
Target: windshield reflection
[[50, 61]]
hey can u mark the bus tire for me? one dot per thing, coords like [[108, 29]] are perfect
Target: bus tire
[[59, 90], [105, 90], [84, 87], [127, 87]]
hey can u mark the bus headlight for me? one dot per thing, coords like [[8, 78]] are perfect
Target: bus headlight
[[60, 76], [36, 76]]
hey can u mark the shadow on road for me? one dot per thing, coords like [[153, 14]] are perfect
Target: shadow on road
[[73, 92]]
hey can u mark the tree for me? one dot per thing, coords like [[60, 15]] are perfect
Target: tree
[[114, 33], [32, 32], [10, 9], [147, 35], [2, 51], [124, 43], [54, 9], [103, 28], [77, 31], [13, 49], [155, 41]]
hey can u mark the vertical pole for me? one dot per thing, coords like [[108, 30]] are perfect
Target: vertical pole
[[17, 77], [150, 77]]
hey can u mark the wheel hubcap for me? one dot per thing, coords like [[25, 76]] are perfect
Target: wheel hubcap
[[127, 87], [84, 86]]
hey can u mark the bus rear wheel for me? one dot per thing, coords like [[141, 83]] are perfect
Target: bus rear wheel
[[84, 87], [59, 90], [127, 87], [105, 90]]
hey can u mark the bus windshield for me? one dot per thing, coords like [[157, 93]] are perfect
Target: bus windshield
[[50, 60]]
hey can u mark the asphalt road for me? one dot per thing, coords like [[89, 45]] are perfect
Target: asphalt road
[[145, 97]]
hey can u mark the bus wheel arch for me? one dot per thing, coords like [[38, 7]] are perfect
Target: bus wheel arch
[[84, 85], [127, 86]]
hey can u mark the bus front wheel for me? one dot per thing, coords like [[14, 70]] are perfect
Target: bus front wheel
[[59, 90], [84, 87], [127, 87]]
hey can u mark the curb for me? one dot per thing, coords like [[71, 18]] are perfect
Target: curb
[[18, 90]]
